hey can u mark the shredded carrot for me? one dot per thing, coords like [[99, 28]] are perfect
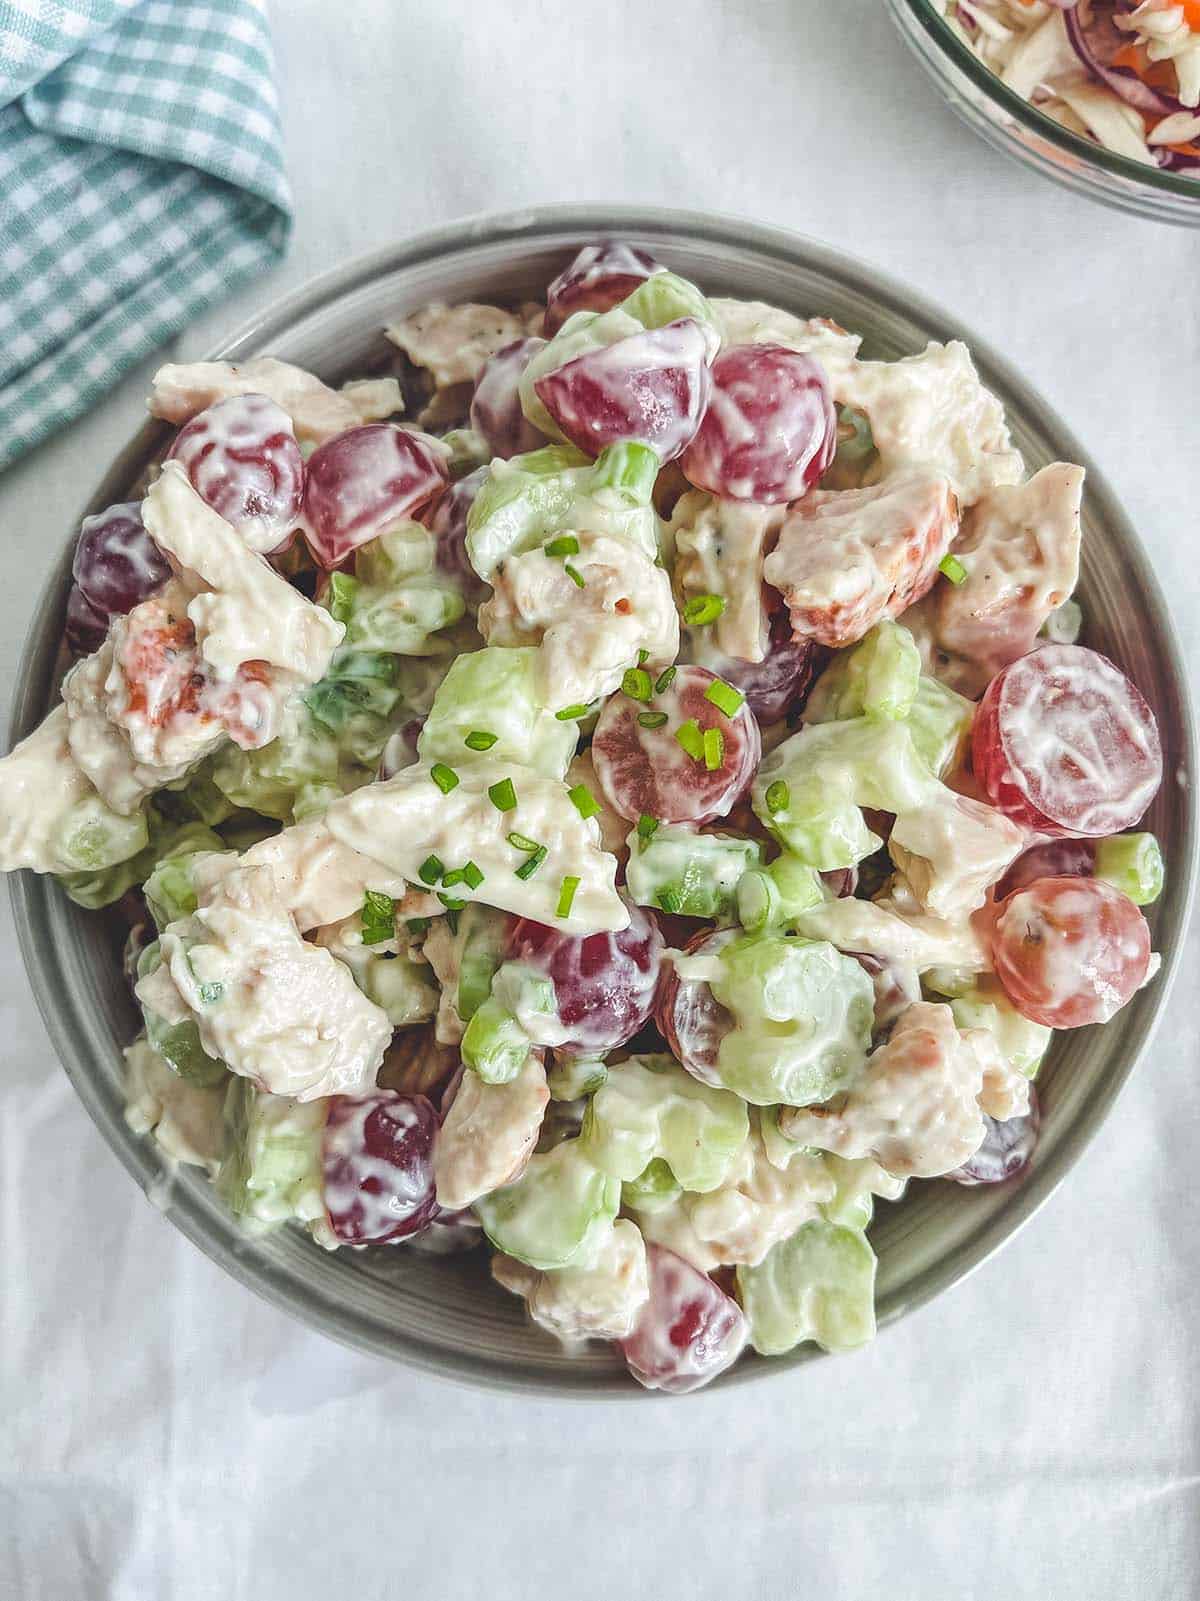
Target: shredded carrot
[[1134, 57], [1185, 150], [1191, 14]]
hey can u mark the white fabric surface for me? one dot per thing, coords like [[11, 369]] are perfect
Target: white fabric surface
[[166, 1437]]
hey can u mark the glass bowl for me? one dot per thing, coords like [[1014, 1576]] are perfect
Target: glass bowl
[[1014, 126], [444, 1315]]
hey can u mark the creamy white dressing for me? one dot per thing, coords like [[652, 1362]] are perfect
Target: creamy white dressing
[[951, 850], [914, 1107], [932, 409], [590, 627], [407, 819], [720, 549], [283, 1013]]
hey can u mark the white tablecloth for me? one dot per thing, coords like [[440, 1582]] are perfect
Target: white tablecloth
[[166, 1437]]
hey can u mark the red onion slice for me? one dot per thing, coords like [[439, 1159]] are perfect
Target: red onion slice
[[1124, 84]]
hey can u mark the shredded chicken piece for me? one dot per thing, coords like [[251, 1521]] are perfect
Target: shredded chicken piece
[[179, 392]]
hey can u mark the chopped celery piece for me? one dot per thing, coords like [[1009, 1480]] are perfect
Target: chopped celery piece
[[666, 297], [170, 890], [1021, 1042], [402, 599], [178, 1043], [496, 688], [818, 1285], [573, 1077], [650, 1107], [1064, 624], [803, 1015], [832, 770], [480, 947], [559, 1207], [699, 873], [878, 677], [526, 501], [269, 780], [939, 721], [1132, 863], [771, 897], [272, 1169], [494, 1046], [654, 1188]]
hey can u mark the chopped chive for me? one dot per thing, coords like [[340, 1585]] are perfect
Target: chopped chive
[[647, 827], [643, 657], [452, 915], [703, 609], [664, 680], [566, 896], [377, 918], [522, 842], [502, 795], [480, 739], [456, 875], [574, 575], [724, 697], [692, 740], [528, 868], [779, 797], [570, 713], [637, 683], [450, 903], [417, 925], [651, 719], [444, 777], [953, 569], [714, 748], [669, 898], [430, 870], [473, 875], [564, 545], [584, 802]]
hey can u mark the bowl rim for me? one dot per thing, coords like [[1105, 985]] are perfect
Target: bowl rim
[[1153, 179], [30, 893]]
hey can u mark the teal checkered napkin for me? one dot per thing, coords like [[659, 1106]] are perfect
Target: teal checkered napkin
[[141, 179]]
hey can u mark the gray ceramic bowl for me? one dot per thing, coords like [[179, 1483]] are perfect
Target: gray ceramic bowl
[[443, 1315]]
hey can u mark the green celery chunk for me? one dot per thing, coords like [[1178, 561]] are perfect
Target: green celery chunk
[[818, 1285]]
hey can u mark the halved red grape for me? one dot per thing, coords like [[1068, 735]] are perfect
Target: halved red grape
[[604, 984], [85, 626], [1053, 858], [778, 683], [646, 771], [1070, 951], [496, 405], [117, 564], [242, 458], [1064, 743], [377, 1160], [687, 1332], [689, 1016], [1007, 1148], [361, 482], [448, 520], [651, 388], [600, 277], [770, 430]]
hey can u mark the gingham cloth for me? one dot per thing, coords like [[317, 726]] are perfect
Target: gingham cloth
[[141, 178]]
